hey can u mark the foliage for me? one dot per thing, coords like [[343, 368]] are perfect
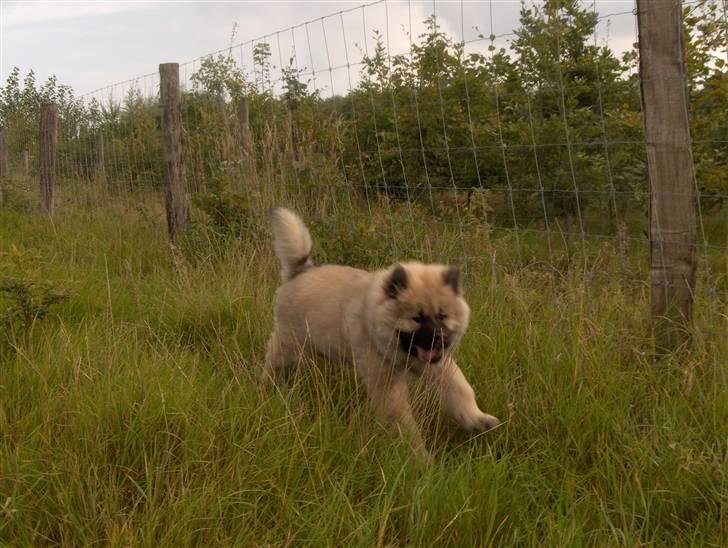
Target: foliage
[[20, 112], [229, 214], [24, 299], [706, 34], [550, 127], [28, 301], [356, 239], [438, 118]]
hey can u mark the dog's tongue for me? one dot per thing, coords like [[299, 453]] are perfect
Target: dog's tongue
[[428, 355]]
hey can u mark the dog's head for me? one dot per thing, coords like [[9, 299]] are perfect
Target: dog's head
[[421, 308]]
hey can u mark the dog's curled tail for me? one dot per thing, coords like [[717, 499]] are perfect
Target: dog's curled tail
[[291, 242]]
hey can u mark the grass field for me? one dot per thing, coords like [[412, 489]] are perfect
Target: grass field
[[130, 416]]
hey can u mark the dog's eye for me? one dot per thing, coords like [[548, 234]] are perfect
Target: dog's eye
[[419, 318], [442, 317]]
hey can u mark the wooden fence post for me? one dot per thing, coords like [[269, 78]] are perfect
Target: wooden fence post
[[670, 169], [48, 132], [3, 168], [172, 168], [244, 122], [100, 165]]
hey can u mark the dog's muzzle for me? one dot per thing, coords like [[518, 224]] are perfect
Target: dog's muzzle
[[426, 345]]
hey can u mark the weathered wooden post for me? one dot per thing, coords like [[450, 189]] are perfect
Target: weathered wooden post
[[246, 139], [100, 165], [48, 139], [670, 169], [172, 169], [3, 167]]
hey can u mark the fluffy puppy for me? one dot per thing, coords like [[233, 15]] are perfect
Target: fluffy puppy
[[390, 323]]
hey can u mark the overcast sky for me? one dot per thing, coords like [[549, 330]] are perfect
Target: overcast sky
[[92, 44]]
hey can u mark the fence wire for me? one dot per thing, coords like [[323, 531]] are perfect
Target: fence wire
[[428, 129]]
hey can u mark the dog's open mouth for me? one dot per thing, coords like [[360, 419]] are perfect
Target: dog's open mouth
[[432, 355], [424, 348]]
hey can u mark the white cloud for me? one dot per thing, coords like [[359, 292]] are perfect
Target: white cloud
[[92, 44], [31, 12]]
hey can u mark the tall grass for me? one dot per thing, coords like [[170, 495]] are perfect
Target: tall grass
[[131, 416]]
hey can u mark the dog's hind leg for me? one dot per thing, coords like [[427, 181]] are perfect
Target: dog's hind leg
[[280, 357]]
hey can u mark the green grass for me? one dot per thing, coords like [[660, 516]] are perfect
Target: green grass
[[130, 415]]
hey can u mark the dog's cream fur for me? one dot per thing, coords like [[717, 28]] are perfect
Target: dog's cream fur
[[349, 315]]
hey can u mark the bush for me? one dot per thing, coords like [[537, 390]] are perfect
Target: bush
[[23, 299]]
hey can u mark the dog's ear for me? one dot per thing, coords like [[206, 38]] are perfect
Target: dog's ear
[[396, 282], [451, 277]]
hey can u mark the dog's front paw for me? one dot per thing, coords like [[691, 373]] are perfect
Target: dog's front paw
[[480, 422]]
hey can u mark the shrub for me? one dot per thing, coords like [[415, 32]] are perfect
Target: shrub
[[23, 298]]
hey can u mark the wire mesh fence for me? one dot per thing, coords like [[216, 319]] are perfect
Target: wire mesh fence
[[427, 131]]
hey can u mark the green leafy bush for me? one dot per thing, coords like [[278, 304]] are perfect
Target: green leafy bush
[[228, 213], [24, 299]]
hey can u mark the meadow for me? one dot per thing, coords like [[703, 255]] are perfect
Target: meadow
[[129, 414]]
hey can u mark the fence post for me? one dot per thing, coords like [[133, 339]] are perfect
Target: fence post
[[3, 168], [670, 169], [172, 168], [244, 122], [48, 131], [100, 167]]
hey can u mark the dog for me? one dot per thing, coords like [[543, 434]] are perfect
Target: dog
[[390, 324]]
